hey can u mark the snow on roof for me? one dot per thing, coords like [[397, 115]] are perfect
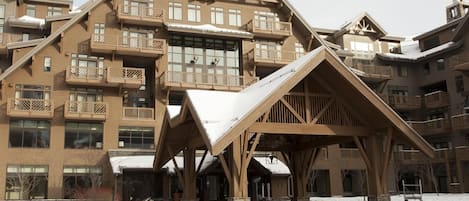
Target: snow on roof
[[119, 163], [39, 22], [173, 110], [219, 111], [276, 167], [208, 28], [412, 53]]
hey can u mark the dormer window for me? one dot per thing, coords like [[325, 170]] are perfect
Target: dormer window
[[454, 12]]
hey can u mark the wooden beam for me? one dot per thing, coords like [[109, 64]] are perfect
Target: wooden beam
[[292, 110], [307, 100], [323, 110], [224, 165], [177, 170], [387, 155], [362, 152], [202, 160], [307, 129]]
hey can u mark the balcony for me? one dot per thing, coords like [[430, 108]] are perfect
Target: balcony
[[373, 73], [460, 122], [78, 110], [270, 28], [400, 102], [416, 157], [184, 80], [126, 77], [459, 63], [436, 99], [350, 153], [138, 113], [272, 58], [30, 108], [140, 15], [89, 76], [431, 127], [132, 46]]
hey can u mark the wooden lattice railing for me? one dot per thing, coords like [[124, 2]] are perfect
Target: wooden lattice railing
[[86, 73], [29, 105], [81, 107]]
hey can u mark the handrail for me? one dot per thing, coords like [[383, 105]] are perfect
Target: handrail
[[142, 11], [270, 25], [138, 113], [88, 73], [85, 107], [208, 79], [115, 41], [30, 105], [275, 54]]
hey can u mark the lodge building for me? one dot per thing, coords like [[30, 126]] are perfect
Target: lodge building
[[88, 93]]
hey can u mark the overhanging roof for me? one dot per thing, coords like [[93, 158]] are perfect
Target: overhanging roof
[[461, 29], [222, 117]]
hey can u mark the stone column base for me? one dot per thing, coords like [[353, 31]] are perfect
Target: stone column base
[[380, 198], [238, 199]]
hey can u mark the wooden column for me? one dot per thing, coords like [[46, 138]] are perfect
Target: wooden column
[[301, 164], [189, 175]]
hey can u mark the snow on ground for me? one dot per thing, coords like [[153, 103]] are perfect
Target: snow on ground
[[426, 197]]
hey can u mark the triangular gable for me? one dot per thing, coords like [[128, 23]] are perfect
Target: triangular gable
[[363, 23], [87, 7], [461, 29], [222, 116]]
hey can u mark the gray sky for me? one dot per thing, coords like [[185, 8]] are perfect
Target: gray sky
[[397, 17]]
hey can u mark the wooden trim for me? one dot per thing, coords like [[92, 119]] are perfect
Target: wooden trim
[[307, 129]]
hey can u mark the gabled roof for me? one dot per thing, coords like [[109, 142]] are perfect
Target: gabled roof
[[90, 5], [362, 16], [222, 116], [462, 28]]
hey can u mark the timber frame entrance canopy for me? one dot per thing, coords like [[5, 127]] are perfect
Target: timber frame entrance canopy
[[310, 103]]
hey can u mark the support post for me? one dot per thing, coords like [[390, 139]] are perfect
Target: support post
[[378, 157], [189, 175], [301, 164]]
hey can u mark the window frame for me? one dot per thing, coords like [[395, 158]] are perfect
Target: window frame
[[89, 130], [175, 11], [41, 129], [193, 13], [217, 15], [47, 64], [234, 14]]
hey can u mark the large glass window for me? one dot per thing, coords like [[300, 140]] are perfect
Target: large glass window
[[82, 100], [78, 180], [136, 137], [29, 133], [193, 13], [234, 17], [25, 182], [79, 135], [299, 50], [175, 11], [31, 10], [268, 50], [86, 66], [138, 8], [362, 50], [217, 15], [266, 20], [137, 38], [201, 60], [54, 11]]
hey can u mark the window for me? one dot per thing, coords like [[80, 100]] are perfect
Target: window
[[29, 133], [266, 21], [87, 67], [79, 135], [2, 20], [440, 63], [138, 8], [234, 17], [98, 32], [426, 69], [459, 83], [362, 49], [137, 38], [175, 11], [25, 37], [431, 43], [299, 50], [54, 11], [193, 13], [78, 180], [32, 98], [25, 182], [31, 10], [216, 15], [402, 71], [47, 64], [268, 50], [136, 137]]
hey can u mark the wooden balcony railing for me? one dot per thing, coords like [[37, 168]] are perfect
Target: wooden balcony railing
[[140, 15], [436, 99], [138, 113], [30, 108], [374, 72], [81, 110], [272, 57], [134, 46], [405, 102], [431, 127], [460, 122], [349, 153], [459, 62], [416, 156], [270, 28], [85, 75], [206, 80], [126, 76]]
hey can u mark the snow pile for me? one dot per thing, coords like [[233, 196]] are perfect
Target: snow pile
[[426, 197], [173, 110], [412, 54], [208, 28], [275, 166], [31, 20], [220, 111]]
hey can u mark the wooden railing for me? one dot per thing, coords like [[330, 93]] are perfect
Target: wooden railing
[[459, 62], [416, 156], [405, 102], [138, 113], [86, 73], [430, 127], [88, 109], [143, 12], [125, 44], [375, 71], [272, 57], [270, 26], [436, 99], [26, 107], [460, 122], [210, 79], [350, 153]]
